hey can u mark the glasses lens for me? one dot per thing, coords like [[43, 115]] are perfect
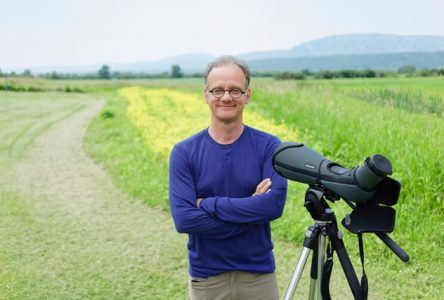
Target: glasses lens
[[235, 93], [218, 93]]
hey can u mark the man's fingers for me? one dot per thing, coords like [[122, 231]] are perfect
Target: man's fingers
[[262, 184], [266, 186], [263, 187]]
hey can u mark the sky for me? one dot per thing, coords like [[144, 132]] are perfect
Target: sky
[[85, 32]]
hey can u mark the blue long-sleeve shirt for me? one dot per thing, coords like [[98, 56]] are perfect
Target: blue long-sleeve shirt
[[231, 229]]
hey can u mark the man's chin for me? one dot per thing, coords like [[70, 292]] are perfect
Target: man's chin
[[227, 118]]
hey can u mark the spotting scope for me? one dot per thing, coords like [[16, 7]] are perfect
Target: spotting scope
[[366, 188], [367, 183]]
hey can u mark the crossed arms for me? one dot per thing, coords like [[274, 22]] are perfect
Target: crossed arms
[[221, 217]]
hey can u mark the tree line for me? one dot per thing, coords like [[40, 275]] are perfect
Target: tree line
[[407, 71], [176, 72]]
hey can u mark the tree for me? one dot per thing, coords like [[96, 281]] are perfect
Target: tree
[[54, 75], [104, 72], [27, 73], [176, 72], [407, 70]]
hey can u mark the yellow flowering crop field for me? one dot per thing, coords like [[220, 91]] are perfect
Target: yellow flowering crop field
[[167, 116]]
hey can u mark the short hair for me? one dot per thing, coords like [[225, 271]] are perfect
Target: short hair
[[228, 60]]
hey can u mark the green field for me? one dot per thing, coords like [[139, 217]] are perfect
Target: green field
[[345, 120]]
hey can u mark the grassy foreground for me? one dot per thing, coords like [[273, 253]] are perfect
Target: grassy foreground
[[341, 119], [65, 231], [327, 116]]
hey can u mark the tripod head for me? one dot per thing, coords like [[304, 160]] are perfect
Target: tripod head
[[316, 205]]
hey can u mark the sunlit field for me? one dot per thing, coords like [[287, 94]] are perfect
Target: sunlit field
[[345, 120]]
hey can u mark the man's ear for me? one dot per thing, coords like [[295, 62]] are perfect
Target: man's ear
[[206, 95], [247, 96]]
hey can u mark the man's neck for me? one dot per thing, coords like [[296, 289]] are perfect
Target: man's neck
[[225, 133]]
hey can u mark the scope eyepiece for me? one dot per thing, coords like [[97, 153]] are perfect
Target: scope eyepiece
[[374, 169], [380, 165]]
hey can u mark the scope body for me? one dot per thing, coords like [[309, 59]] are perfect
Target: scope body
[[297, 162]]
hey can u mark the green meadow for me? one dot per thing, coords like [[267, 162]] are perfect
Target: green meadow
[[345, 120]]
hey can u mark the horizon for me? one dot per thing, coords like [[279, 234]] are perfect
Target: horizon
[[69, 68], [82, 33]]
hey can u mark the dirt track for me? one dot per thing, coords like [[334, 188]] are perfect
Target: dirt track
[[82, 226]]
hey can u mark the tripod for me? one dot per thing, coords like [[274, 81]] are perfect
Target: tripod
[[322, 237]]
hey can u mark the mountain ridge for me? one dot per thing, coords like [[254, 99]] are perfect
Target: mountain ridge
[[354, 44], [316, 54]]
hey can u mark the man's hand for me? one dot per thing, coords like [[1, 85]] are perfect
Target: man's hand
[[263, 187]]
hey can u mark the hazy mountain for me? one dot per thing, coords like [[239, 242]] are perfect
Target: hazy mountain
[[391, 61], [355, 44], [351, 51]]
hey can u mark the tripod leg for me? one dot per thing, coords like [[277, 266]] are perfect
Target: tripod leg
[[350, 274], [322, 245], [344, 259], [313, 274], [297, 274]]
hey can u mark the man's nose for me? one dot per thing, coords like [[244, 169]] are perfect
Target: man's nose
[[226, 95]]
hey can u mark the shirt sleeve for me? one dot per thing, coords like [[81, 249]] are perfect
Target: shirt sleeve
[[254, 209], [187, 217]]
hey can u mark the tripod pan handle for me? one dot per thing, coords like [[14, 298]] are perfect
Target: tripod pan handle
[[393, 246]]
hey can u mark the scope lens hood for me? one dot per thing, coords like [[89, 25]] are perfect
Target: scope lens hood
[[387, 192]]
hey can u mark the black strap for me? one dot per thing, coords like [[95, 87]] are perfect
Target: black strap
[[364, 281], [326, 273]]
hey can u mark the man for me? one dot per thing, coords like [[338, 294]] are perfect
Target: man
[[224, 193]]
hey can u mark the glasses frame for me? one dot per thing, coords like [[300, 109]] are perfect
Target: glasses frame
[[229, 92]]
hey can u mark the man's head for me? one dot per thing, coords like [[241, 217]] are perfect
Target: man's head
[[226, 89], [228, 60]]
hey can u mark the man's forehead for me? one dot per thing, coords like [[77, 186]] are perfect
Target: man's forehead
[[229, 72]]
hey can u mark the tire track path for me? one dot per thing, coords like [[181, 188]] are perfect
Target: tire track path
[[79, 236]]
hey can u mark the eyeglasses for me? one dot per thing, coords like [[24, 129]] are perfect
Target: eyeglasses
[[235, 93]]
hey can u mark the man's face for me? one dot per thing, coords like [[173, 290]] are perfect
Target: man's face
[[227, 109]]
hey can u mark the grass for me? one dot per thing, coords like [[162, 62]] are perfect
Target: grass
[[345, 129], [345, 120], [45, 254], [31, 120], [61, 238]]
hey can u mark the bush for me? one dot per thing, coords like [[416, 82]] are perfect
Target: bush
[[289, 76]]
